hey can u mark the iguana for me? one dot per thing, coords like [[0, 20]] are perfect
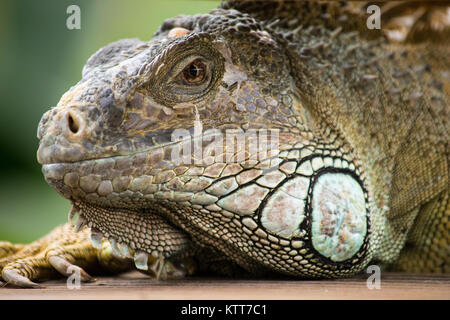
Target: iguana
[[264, 138]]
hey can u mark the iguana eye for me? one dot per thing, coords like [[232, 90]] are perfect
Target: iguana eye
[[194, 72], [188, 71]]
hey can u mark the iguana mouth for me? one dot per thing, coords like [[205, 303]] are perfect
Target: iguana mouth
[[173, 170]]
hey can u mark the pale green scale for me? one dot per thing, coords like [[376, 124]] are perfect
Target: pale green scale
[[284, 210], [339, 222]]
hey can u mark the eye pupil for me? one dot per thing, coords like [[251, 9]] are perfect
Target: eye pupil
[[194, 72]]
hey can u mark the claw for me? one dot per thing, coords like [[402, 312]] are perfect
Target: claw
[[72, 214], [158, 265], [81, 222], [172, 271], [11, 276], [161, 264], [66, 268]]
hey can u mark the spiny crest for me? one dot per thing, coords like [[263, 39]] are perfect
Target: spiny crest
[[402, 21], [292, 15]]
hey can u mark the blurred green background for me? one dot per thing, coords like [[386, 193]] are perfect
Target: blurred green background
[[39, 60]]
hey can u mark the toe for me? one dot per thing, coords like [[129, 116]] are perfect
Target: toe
[[23, 271], [61, 252], [67, 269], [13, 277], [8, 249]]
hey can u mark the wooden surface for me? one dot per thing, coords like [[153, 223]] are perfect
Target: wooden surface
[[137, 286]]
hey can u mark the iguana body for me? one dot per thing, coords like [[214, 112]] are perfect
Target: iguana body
[[356, 169]]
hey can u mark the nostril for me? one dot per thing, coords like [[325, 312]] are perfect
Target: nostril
[[74, 126]]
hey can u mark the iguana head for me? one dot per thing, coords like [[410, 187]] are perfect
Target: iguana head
[[206, 128]]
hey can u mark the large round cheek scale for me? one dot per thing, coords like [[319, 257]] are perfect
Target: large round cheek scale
[[339, 222]]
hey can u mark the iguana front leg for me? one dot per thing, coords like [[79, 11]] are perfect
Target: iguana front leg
[[65, 251], [61, 252]]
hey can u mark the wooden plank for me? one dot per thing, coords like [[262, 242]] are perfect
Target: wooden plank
[[138, 286]]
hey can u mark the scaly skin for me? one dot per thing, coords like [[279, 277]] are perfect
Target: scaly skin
[[356, 166]]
